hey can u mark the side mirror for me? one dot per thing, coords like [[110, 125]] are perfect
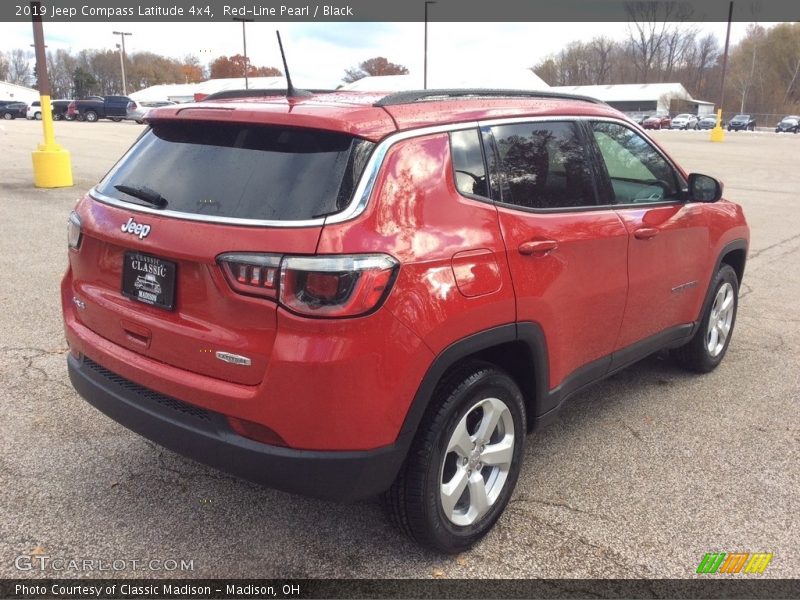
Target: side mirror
[[704, 188]]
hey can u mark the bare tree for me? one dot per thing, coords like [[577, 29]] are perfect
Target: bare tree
[[60, 70], [602, 50], [19, 67], [4, 66], [651, 27]]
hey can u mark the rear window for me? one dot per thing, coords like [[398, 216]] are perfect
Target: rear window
[[241, 170]]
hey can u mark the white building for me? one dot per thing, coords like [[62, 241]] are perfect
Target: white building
[[17, 93], [185, 92], [642, 97], [510, 79], [632, 98]]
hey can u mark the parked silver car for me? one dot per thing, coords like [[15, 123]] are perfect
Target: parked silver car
[[138, 110], [684, 121]]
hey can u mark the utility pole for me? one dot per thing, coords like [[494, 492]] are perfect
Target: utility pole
[[244, 44], [425, 51], [717, 134], [122, 35]]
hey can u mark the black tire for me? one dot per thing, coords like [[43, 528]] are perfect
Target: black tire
[[414, 501], [139, 122], [116, 119], [696, 355], [90, 116], [8, 116], [37, 116], [58, 117]]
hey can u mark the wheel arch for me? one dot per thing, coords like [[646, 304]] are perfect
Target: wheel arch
[[519, 349], [733, 254]]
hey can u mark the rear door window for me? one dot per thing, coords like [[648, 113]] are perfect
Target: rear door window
[[242, 170], [544, 165], [470, 172]]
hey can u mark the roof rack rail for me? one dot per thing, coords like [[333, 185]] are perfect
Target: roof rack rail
[[254, 93], [411, 96]]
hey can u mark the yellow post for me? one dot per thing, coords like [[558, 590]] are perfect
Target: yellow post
[[52, 167], [717, 134]]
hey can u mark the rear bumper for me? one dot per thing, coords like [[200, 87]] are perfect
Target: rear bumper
[[205, 436]]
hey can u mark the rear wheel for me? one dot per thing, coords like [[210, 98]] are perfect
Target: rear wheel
[[37, 116], [90, 116], [464, 462], [116, 119], [8, 116], [710, 343]]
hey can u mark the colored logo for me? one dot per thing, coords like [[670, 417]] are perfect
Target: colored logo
[[734, 562]]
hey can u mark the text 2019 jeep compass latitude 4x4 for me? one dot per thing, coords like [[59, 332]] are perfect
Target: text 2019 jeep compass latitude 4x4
[[352, 294]]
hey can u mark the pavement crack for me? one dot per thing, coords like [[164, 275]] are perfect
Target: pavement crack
[[569, 507], [747, 290], [28, 354], [632, 431], [607, 553], [761, 251]]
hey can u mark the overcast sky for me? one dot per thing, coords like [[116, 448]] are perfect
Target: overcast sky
[[319, 53]]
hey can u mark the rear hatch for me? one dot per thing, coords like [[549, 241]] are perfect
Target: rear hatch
[[148, 267]]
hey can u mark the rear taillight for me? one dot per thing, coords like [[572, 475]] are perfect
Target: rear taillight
[[336, 286], [249, 273], [317, 286], [74, 231]]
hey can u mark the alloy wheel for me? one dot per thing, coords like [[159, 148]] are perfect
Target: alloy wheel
[[720, 319], [477, 461]]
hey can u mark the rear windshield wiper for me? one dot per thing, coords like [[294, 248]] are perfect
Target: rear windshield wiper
[[143, 193]]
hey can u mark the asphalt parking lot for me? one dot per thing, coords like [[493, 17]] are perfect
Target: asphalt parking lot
[[641, 476]]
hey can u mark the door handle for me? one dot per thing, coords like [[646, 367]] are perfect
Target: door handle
[[537, 247], [645, 233]]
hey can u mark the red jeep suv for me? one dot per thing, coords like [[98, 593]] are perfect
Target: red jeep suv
[[344, 295]]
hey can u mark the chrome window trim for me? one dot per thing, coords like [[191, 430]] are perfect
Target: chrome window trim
[[369, 176]]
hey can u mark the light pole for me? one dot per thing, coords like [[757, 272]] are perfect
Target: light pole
[[244, 44], [425, 58], [122, 35]]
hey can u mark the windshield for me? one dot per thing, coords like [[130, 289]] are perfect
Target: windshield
[[789, 120], [241, 170], [741, 118]]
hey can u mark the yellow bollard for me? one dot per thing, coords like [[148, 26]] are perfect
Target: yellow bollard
[[717, 134], [52, 166]]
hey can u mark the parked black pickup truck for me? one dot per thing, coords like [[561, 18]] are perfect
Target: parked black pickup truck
[[109, 107]]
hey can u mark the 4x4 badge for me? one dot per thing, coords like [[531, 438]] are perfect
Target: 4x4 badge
[[135, 228]]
